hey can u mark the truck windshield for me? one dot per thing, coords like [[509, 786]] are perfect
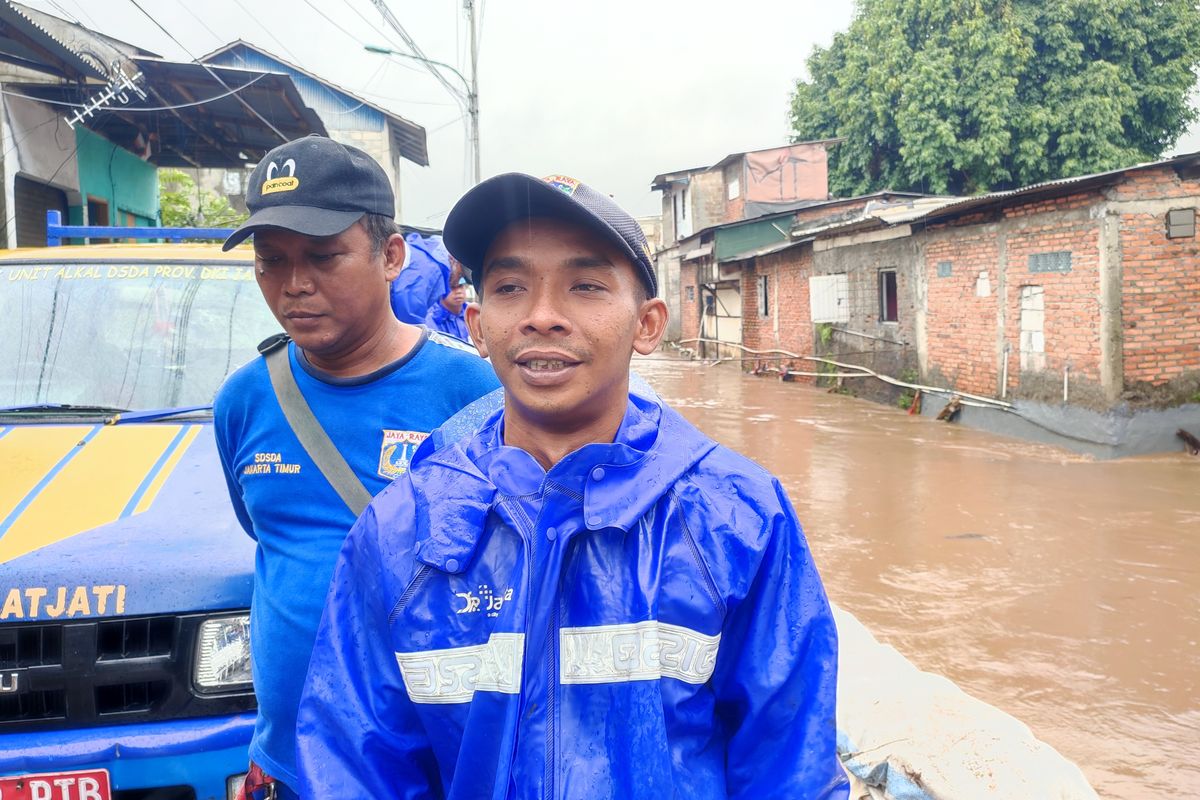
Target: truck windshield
[[130, 334]]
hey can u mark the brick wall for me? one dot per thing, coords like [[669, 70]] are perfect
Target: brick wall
[[1160, 300], [788, 325], [1158, 183], [961, 326], [689, 303], [1072, 299], [964, 279]]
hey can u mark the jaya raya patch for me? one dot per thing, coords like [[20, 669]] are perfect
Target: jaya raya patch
[[563, 183], [396, 451]]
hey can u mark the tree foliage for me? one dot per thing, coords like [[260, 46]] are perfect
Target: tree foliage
[[186, 205], [965, 96]]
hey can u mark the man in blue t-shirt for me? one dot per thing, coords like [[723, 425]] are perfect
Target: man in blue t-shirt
[[325, 251]]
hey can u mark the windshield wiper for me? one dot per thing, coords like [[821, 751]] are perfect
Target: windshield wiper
[[52, 408], [154, 414]]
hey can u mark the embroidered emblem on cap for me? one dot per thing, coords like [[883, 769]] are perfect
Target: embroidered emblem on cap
[[563, 183], [286, 183]]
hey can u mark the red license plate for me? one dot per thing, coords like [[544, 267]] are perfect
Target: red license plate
[[89, 784]]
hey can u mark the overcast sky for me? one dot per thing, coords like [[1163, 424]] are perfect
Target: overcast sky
[[612, 92]]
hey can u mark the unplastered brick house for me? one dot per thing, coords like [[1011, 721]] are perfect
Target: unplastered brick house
[[1084, 290]]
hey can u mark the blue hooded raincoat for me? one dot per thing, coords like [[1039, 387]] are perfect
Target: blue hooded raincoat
[[424, 280], [642, 621]]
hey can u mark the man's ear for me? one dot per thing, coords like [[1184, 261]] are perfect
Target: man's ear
[[393, 256], [652, 324], [471, 312]]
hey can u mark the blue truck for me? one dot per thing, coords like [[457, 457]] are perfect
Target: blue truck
[[125, 579]]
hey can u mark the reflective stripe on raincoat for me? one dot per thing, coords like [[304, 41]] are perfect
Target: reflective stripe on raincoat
[[642, 621]]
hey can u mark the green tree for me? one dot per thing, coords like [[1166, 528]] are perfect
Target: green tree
[[966, 96], [186, 205]]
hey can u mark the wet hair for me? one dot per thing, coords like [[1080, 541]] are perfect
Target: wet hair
[[379, 229]]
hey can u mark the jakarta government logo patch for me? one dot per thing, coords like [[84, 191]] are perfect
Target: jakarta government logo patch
[[396, 451], [563, 183]]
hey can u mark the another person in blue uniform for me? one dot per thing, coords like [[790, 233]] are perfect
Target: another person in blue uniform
[[325, 249], [424, 280], [447, 314], [589, 598]]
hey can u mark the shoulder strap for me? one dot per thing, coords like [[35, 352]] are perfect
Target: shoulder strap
[[312, 436]]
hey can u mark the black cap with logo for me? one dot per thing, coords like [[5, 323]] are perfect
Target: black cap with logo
[[314, 186], [483, 212]]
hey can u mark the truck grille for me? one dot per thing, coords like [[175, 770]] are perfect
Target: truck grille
[[87, 673]]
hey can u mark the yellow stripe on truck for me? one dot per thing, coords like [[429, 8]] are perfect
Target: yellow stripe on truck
[[27, 454], [91, 490], [167, 469]]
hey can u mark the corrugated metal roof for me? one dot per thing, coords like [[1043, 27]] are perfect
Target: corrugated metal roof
[[660, 181], [1051, 187], [351, 113], [206, 126], [26, 39]]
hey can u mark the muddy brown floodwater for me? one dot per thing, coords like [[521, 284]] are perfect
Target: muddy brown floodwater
[[1062, 590]]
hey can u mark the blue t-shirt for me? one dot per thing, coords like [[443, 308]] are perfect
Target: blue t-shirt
[[284, 502], [441, 319]]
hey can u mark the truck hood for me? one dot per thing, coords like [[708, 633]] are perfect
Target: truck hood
[[99, 521]]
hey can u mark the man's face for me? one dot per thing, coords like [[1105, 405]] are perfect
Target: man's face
[[561, 313], [329, 294], [455, 299]]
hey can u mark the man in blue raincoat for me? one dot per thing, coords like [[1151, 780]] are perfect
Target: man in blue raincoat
[[424, 280], [446, 315], [588, 598]]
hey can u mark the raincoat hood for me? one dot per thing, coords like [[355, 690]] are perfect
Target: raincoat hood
[[458, 485]]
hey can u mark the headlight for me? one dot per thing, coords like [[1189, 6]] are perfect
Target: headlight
[[233, 784], [223, 655]]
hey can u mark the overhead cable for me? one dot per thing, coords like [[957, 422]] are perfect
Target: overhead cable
[[208, 69], [135, 109]]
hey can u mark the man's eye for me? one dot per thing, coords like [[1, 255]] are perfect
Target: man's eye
[[323, 257], [588, 287], [507, 288]]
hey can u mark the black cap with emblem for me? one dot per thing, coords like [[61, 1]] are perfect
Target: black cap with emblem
[[314, 186]]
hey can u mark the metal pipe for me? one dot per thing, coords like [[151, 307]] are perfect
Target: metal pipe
[[885, 378], [1004, 374], [883, 339]]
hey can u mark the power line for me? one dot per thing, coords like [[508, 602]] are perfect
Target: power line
[[134, 109], [83, 11], [274, 38], [182, 4], [350, 35], [369, 23], [208, 69], [414, 48], [66, 14]]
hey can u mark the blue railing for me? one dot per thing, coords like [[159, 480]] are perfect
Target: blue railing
[[56, 232]]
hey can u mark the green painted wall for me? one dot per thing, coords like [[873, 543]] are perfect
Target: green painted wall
[[111, 173]]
